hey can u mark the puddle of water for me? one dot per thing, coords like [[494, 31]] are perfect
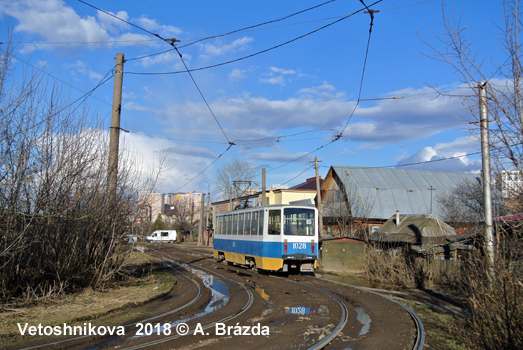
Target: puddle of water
[[365, 320], [219, 298]]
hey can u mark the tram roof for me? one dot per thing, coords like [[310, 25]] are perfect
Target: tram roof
[[304, 206]]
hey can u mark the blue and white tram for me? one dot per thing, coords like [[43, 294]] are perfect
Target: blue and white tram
[[273, 237]]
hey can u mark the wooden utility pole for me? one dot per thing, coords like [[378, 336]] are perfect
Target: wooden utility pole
[[485, 159], [114, 133], [318, 196]]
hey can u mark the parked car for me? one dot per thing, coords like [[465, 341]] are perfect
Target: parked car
[[130, 239], [162, 236]]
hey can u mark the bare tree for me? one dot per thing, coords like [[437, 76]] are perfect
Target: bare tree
[[504, 95], [465, 203], [183, 214], [58, 231], [493, 291], [347, 211], [231, 172]]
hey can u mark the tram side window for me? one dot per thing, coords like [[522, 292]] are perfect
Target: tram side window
[[247, 227], [254, 223], [260, 222], [274, 222], [229, 224], [234, 219], [240, 224], [219, 225]]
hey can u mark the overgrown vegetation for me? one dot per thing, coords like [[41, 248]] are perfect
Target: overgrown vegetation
[[494, 297], [58, 230], [399, 267]]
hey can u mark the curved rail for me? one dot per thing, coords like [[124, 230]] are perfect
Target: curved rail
[[199, 294], [228, 318], [339, 327], [420, 330]]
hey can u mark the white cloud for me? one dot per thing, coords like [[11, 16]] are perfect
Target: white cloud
[[219, 49], [179, 163], [237, 74], [82, 68], [56, 21], [453, 156], [166, 31], [418, 115], [53, 20], [277, 76], [112, 24]]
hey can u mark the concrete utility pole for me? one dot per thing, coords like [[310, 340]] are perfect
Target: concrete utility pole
[[318, 196], [485, 158], [201, 241], [207, 212], [114, 133], [264, 193]]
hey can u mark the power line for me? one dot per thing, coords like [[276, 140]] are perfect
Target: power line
[[294, 177], [207, 167], [52, 76], [245, 29], [433, 161], [256, 53], [371, 13], [262, 24], [240, 31], [201, 94], [170, 42], [303, 156]]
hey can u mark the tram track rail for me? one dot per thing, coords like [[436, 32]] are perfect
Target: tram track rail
[[327, 339], [207, 326], [420, 330], [63, 342]]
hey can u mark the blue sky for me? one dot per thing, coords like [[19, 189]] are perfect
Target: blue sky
[[277, 106]]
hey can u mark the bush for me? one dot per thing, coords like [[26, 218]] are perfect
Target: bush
[[495, 297], [399, 267]]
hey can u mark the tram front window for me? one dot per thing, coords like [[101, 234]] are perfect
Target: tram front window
[[299, 222]]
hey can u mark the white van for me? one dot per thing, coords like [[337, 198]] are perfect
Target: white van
[[162, 236]]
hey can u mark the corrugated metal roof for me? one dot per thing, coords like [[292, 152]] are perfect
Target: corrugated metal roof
[[385, 190]]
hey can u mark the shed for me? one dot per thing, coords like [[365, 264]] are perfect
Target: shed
[[414, 230], [342, 255]]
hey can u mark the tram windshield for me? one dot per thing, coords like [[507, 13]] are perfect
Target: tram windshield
[[299, 222]]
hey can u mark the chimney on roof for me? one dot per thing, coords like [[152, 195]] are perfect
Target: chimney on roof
[[397, 217], [312, 179]]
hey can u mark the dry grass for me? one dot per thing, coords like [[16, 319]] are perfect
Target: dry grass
[[87, 305]]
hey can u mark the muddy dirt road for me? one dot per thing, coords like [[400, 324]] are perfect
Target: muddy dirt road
[[218, 306]]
